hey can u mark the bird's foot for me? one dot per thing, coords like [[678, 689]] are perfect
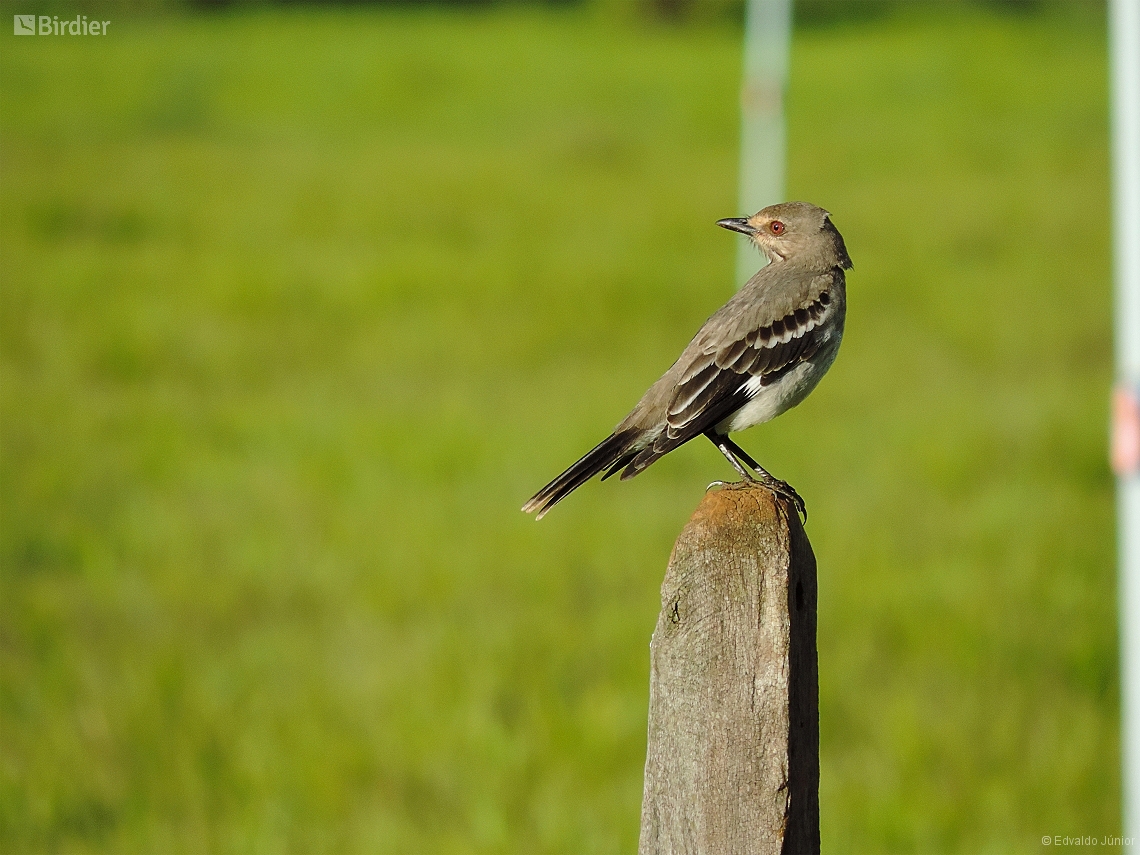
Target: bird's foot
[[784, 490], [745, 481]]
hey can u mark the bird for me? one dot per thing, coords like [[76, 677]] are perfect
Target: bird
[[756, 357]]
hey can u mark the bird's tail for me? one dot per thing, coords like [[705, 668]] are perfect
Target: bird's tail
[[609, 455]]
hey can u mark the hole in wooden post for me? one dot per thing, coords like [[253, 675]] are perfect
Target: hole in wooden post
[[799, 595]]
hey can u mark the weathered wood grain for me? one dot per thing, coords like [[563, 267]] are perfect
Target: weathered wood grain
[[733, 757]]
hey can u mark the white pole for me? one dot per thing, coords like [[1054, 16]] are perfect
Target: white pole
[[767, 34], [1124, 46]]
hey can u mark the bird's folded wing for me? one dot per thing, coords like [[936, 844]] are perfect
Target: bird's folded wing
[[730, 361]]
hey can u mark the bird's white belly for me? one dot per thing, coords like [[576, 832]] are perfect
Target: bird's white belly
[[779, 397]]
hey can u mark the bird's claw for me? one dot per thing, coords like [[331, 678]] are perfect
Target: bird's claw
[[786, 491], [730, 485]]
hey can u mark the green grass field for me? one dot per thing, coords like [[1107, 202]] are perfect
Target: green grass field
[[298, 307]]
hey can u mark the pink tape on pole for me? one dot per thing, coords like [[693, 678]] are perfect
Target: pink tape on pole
[[1125, 431]]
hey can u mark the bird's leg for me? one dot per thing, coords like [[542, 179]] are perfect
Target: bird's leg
[[741, 454], [724, 443], [732, 451]]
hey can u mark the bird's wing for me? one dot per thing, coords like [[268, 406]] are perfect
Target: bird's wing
[[749, 344]]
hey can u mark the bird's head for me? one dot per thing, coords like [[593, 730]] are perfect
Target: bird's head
[[794, 230]]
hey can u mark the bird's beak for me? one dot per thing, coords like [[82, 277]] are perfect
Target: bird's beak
[[737, 224]]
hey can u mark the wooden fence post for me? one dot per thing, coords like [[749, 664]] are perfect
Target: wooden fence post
[[732, 764]]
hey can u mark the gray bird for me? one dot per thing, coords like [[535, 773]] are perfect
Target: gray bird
[[757, 357]]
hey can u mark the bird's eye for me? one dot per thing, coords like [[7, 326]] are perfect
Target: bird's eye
[[776, 227]]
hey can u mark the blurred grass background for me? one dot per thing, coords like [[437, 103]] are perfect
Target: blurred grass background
[[297, 306]]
